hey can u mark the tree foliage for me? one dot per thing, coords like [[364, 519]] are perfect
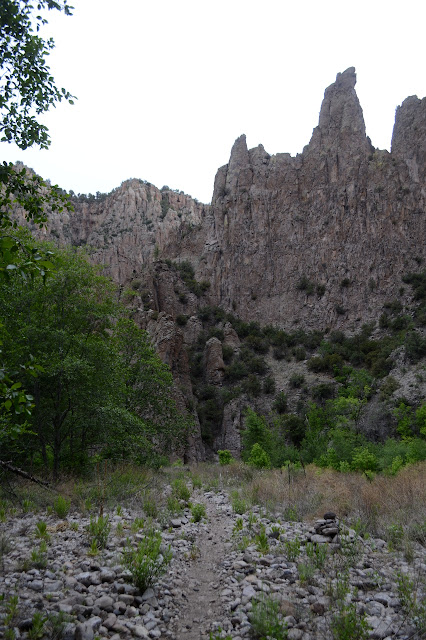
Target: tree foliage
[[100, 387], [27, 88]]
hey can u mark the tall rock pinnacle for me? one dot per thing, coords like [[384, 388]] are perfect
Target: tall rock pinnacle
[[341, 122]]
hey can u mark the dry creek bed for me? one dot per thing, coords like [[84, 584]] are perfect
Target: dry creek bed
[[212, 582]]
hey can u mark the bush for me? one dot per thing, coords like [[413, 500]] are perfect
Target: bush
[[147, 563], [280, 403], [180, 489], [198, 511], [268, 385], [61, 506], [266, 619], [297, 380], [225, 457], [99, 531], [259, 458], [252, 386], [364, 460]]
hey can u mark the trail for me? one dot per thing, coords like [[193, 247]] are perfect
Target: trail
[[201, 602]]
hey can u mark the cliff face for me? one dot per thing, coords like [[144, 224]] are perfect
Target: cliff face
[[340, 211], [319, 240], [283, 232]]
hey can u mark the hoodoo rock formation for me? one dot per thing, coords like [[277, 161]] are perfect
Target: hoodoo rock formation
[[318, 241]]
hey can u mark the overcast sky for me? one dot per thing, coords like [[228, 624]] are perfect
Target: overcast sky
[[164, 87]]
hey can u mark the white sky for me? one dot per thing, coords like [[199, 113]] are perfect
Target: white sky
[[164, 87]]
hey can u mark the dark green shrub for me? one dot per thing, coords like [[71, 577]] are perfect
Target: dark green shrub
[[415, 346], [299, 353], [323, 391], [257, 343], [294, 428], [280, 403], [228, 353], [306, 285], [252, 386], [181, 320], [297, 380], [418, 283], [269, 385], [236, 371], [395, 306]]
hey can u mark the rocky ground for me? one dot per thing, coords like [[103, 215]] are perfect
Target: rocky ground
[[306, 576]]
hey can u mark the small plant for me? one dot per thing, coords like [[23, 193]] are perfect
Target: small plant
[[290, 514], [147, 562], [99, 530], [94, 549], [11, 609], [196, 481], [252, 519], [39, 556], [239, 505], [267, 621], [413, 605], [262, 541], [174, 505], [292, 549], [306, 572], [198, 511], [258, 458], [238, 526], [225, 457], [119, 510], [242, 544], [119, 530], [181, 490], [36, 631], [395, 536], [27, 505], [41, 530], [137, 525], [74, 526], [195, 552], [61, 506], [317, 554], [348, 624], [150, 507]]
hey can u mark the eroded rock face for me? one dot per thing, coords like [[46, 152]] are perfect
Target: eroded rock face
[[213, 359]]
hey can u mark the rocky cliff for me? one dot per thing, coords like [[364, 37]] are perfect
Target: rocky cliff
[[318, 241], [282, 233]]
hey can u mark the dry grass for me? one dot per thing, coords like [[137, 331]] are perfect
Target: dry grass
[[378, 503]]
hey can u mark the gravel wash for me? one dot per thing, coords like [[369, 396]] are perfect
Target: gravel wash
[[220, 567]]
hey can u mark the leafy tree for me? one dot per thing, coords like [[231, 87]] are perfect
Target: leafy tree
[[26, 90], [256, 432], [100, 388]]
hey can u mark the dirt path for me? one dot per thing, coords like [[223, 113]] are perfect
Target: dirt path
[[201, 602]]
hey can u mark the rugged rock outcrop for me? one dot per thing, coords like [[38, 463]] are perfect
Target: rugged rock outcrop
[[282, 232]]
